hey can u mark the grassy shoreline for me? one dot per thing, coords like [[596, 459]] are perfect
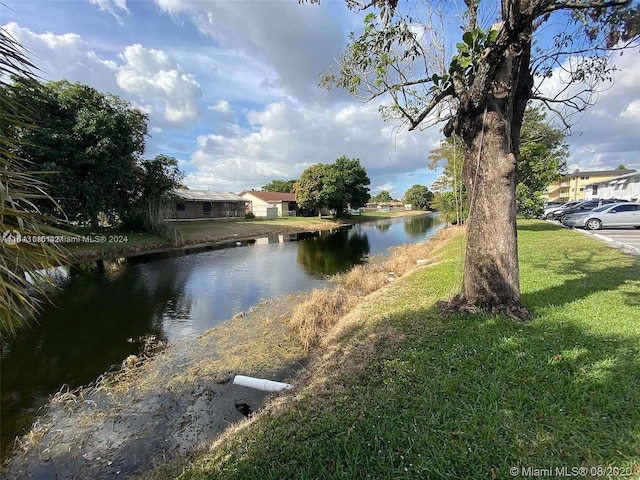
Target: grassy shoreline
[[398, 391], [204, 233]]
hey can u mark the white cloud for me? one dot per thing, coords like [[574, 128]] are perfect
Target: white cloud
[[632, 112], [66, 56], [606, 135], [283, 139], [298, 42], [149, 78], [112, 7], [152, 74], [228, 74], [222, 106]]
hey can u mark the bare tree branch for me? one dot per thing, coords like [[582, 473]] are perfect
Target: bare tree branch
[[472, 6], [435, 100], [558, 113], [583, 5]]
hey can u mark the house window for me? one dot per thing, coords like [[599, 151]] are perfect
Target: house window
[[594, 190], [582, 189], [181, 207], [206, 207], [584, 178]]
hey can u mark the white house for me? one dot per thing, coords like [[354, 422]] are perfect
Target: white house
[[261, 203], [624, 187]]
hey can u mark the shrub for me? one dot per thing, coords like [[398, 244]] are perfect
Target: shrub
[[529, 203], [249, 216], [134, 221]]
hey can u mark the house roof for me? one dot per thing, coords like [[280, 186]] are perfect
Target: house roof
[[632, 173], [598, 172], [270, 197], [207, 196]]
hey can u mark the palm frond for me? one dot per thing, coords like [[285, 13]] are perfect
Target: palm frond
[[20, 191]]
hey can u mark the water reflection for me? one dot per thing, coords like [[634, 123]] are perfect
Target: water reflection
[[333, 252], [383, 226], [418, 226]]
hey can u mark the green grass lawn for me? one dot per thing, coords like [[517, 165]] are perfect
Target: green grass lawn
[[116, 242], [188, 227], [406, 393]]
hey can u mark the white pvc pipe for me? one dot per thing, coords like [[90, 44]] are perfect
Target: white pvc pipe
[[260, 383]]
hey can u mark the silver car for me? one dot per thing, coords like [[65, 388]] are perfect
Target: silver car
[[611, 215]]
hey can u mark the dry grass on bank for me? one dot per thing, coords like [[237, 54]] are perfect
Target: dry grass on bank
[[325, 307]]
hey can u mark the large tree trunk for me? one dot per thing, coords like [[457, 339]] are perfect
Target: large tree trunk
[[492, 136], [491, 274]]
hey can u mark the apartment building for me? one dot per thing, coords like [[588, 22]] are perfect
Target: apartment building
[[624, 187], [573, 185]]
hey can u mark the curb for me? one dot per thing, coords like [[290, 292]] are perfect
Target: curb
[[622, 246]]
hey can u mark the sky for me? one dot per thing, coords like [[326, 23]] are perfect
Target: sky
[[231, 88]]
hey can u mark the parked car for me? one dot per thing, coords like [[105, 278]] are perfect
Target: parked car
[[548, 211], [625, 214], [583, 207], [552, 204]]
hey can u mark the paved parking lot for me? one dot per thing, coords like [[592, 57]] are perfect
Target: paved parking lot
[[626, 238]]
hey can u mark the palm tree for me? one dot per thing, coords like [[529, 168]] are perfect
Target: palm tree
[[19, 189]]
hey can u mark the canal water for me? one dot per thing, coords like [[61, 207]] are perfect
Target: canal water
[[99, 313]]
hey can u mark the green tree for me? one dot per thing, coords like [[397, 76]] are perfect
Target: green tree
[[481, 92], [90, 141], [308, 188], [419, 197], [335, 186], [159, 177], [156, 180], [450, 207], [19, 190], [346, 185], [622, 166], [451, 200], [281, 186], [449, 156], [543, 158], [383, 196]]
